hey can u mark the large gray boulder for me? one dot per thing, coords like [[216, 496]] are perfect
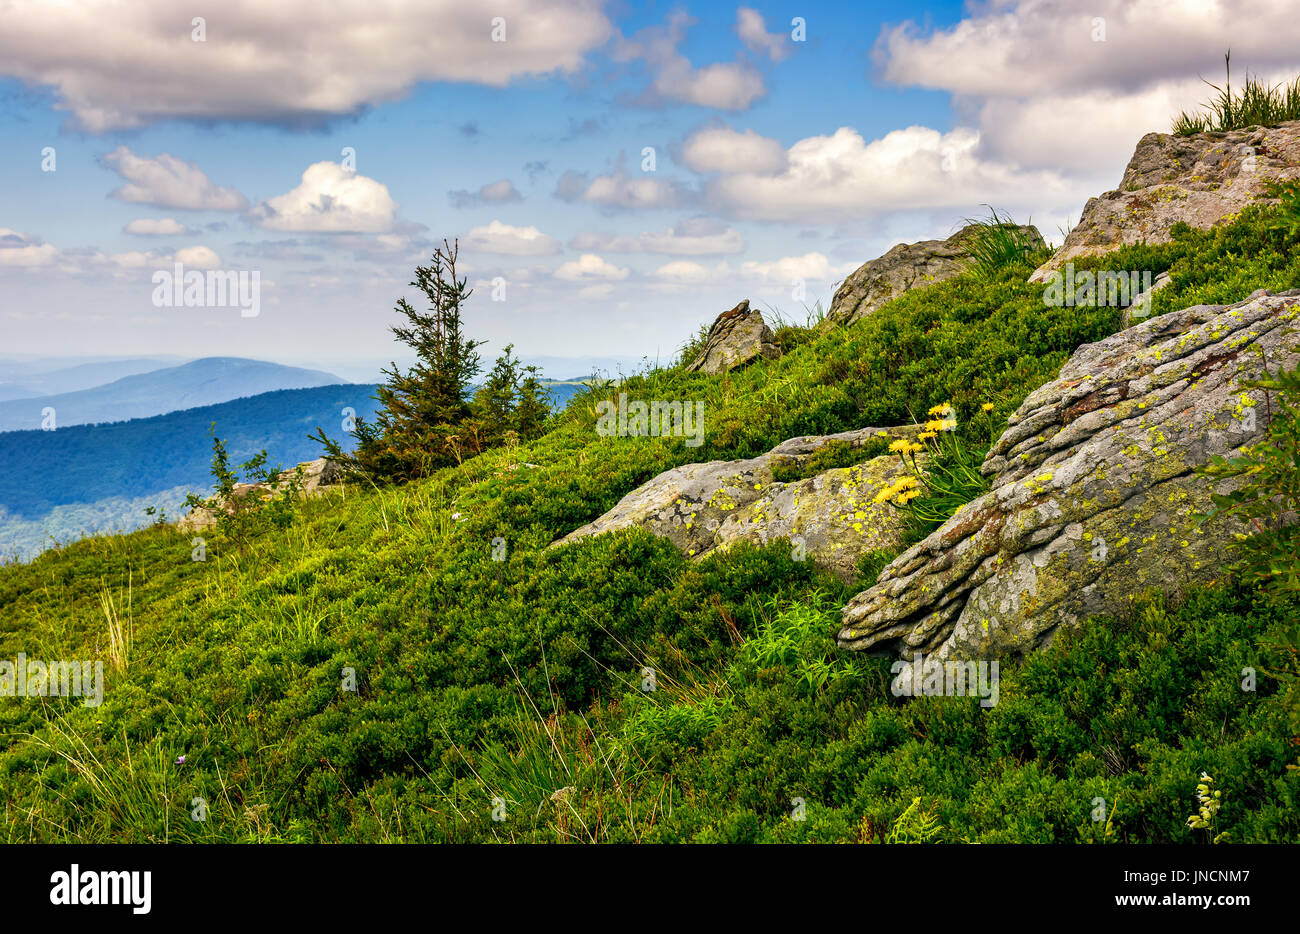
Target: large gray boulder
[[829, 517], [1094, 490], [736, 337], [906, 266], [1201, 180]]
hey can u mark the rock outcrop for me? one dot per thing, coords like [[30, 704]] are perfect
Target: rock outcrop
[[831, 516], [906, 266], [736, 337], [1094, 490], [1201, 180], [317, 477]]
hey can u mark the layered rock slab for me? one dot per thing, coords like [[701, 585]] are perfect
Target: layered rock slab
[[830, 517], [1200, 180], [1094, 490], [736, 337]]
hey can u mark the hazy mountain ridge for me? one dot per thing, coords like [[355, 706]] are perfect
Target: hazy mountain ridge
[[208, 381]]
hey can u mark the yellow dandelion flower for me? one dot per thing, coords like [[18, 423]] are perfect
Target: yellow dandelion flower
[[927, 435], [898, 447], [909, 495], [941, 409], [948, 424], [987, 407]]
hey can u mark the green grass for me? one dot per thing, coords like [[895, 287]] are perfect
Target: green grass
[[1255, 104], [478, 679]]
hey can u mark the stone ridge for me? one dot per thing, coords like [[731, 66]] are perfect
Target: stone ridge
[[1095, 490]]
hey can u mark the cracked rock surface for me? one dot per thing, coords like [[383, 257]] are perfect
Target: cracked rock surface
[[710, 506], [1094, 490], [1200, 179]]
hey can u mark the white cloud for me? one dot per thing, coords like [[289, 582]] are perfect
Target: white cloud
[[197, 257], [695, 236], [683, 272], [618, 190], [156, 227], [500, 192], [843, 177], [722, 149], [169, 182], [724, 86], [293, 62], [589, 267], [20, 250], [753, 32], [330, 199], [497, 237], [1049, 85], [201, 256], [789, 268]]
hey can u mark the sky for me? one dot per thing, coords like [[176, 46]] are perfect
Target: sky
[[616, 174]]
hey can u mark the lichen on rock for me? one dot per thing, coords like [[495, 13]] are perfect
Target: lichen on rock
[[1095, 491]]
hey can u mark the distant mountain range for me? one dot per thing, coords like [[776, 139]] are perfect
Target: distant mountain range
[[209, 381], [85, 478], [22, 378]]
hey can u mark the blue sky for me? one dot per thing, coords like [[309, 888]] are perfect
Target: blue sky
[[781, 160]]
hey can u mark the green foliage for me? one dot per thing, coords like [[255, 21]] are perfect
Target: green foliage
[[996, 243], [423, 421], [510, 406], [516, 673], [1258, 104], [241, 514]]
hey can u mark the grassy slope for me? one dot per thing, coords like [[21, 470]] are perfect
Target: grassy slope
[[481, 679]]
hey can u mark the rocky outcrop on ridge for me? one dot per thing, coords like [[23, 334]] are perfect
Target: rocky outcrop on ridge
[[831, 516], [317, 477], [1094, 490], [1201, 180], [736, 337], [906, 266]]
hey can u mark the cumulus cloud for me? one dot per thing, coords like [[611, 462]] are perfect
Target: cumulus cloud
[[168, 182], [330, 199], [722, 149], [501, 192], [683, 272], [753, 32], [789, 268], [201, 256], [618, 190], [21, 250], [156, 227], [501, 238], [589, 267], [1047, 84], [197, 257], [121, 66], [695, 236], [843, 177], [724, 86]]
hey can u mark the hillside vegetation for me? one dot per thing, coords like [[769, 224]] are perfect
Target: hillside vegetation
[[505, 699]]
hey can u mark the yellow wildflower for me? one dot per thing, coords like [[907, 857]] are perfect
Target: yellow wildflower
[[987, 406], [899, 447], [927, 435]]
